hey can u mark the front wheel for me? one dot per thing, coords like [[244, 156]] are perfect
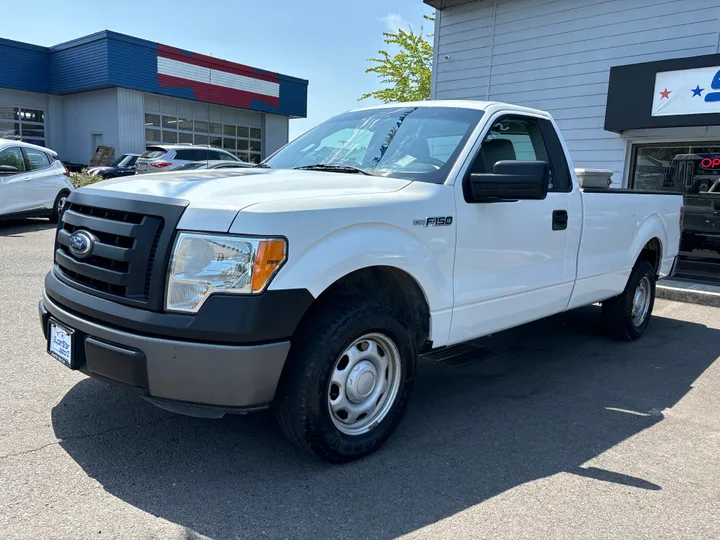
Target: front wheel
[[348, 381], [58, 206], [627, 316]]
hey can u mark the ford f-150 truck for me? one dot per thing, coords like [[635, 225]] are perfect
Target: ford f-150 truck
[[312, 283]]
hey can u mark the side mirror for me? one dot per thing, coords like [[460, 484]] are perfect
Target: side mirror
[[8, 169], [511, 181]]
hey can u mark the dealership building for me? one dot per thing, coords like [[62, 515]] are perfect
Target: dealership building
[[110, 89], [634, 86], [623, 78]]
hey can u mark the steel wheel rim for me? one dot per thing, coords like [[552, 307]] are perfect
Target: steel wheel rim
[[641, 302], [61, 204], [364, 384]]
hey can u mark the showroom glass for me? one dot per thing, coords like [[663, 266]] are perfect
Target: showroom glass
[[690, 169], [417, 143], [24, 124], [243, 141], [694, 171]]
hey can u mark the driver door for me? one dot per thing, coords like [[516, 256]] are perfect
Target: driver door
[[515, 260], [15, 190]]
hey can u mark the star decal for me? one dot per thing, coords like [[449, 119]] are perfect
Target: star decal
[[665, 94], [697, 91]]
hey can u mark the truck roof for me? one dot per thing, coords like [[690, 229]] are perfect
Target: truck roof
[[460, 103]]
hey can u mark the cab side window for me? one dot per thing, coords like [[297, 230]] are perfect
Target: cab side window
[[13, 157], [517, 138]]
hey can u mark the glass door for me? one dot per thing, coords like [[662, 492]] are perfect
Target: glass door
[[692, 169]]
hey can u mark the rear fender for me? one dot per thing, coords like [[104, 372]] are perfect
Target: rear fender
[[653, 227]]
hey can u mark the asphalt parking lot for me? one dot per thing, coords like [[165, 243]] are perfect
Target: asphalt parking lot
[[556, 433]]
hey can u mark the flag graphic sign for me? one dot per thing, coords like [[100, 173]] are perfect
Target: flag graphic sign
[[688, 91]]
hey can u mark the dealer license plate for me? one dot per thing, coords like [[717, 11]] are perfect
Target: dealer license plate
[[60, 343]]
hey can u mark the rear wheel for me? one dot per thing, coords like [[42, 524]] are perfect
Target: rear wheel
[[628, 315], [58, 206], [348, 381]]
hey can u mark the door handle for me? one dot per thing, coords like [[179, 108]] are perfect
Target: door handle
[[559, 220]]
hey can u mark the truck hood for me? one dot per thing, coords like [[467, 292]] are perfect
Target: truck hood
[[216, 196]]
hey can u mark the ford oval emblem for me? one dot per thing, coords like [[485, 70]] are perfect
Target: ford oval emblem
[[81, 244]]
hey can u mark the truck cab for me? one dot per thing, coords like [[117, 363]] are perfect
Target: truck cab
[[312, 283]]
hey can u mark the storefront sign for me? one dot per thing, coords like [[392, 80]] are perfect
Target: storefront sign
[[677, 92], [711, 162], [688, 91]]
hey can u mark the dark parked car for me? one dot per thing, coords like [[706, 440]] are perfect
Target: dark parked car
[[123, 165]]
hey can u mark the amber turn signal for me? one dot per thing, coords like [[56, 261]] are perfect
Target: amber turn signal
[[270, 257]]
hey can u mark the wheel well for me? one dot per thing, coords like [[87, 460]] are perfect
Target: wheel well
[[390, 285], [652, 253]]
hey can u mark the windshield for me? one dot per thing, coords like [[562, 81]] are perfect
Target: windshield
[[416, 143], [125, 160]]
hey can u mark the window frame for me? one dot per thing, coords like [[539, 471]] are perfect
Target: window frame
[[19, 121], [635, 147], [168, 126], [28, 168], [555, 152]]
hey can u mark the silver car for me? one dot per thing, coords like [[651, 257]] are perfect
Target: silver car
[[163, 158], [33, 181], [203, 165]]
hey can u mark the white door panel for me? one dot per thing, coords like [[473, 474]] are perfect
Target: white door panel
[[510, 260], [493, 315], [43, 181], [13, 193], [511, 266]]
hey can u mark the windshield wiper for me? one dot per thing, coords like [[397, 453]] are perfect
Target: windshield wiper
[[335, 168], [263, 166]]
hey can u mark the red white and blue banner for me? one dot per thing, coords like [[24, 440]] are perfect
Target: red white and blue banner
[[687, 91], [216, 81]]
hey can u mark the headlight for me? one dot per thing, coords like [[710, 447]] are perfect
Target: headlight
[[203, 264]]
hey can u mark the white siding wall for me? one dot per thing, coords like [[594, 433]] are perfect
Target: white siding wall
[[556, 55], [276, 133], [131, 122], [84, 114]]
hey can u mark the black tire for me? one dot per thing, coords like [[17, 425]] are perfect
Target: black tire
[[302, 398], [617, 312], [57, 211]]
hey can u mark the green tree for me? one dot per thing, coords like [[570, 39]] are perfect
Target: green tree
[[408, 72]]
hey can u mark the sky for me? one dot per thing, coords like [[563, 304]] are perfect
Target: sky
[[324, 41]]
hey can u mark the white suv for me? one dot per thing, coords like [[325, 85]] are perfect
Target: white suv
[[33, 182], [162, 158]]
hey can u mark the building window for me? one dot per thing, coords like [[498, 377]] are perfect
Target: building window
[[242, 140], [690, 169], [23, 124], [694, 171]]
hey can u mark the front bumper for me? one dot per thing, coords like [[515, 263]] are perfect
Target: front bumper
[[195, 378]]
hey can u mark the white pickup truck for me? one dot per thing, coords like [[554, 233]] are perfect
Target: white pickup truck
[[313, 282]]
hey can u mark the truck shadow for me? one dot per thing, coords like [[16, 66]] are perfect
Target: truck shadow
[[16, 228], [545, 399]]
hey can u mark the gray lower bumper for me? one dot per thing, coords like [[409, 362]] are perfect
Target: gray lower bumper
[[191, 378]]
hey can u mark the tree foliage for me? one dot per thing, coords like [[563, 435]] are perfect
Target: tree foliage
[[407, 74]]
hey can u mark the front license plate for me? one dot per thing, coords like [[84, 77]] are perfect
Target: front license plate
[[60, 343]]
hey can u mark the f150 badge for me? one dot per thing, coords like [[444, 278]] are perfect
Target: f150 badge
[[434, 221]]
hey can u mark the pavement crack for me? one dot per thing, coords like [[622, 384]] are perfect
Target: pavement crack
[[81, 437]]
